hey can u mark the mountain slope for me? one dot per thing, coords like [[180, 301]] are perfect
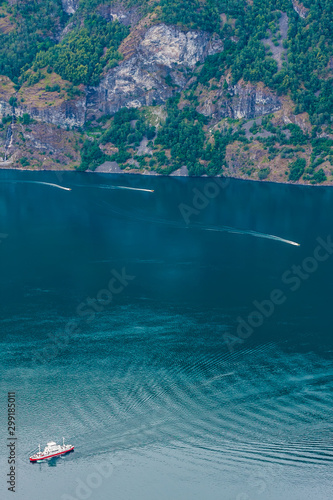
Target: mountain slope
[[232, 87]]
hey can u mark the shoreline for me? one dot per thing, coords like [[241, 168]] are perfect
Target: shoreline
[[173, 174]]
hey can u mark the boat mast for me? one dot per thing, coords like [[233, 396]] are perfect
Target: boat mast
[[39, 448], [63, 441]]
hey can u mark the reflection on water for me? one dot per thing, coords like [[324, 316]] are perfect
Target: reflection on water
[[149, 384]]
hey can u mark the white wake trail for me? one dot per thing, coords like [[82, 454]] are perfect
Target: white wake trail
[[50, 184], [198, 227], [255, 234], [101, 186], [126, 187], [38, 182]]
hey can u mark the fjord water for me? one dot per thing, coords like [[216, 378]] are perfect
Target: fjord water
[[147, 387]]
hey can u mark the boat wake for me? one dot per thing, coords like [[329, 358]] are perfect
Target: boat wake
[[256, 234], [200, 227], [51, 184], [37, 182], [238, 410], [178, 225], [101, 186]]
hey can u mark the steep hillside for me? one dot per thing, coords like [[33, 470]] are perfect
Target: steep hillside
[[222, 87]]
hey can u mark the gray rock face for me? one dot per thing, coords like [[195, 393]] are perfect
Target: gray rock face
[[168, 46], [245, 101], [250, 101], [130, 85], [5, 109], [68, 114], [70, 6], [140, 80], [164, 51], [117, 11], [300, 9]]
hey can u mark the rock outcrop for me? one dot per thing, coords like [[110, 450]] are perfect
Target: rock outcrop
[[67, 114], [141, 79], [117, 12], [300, 9], [240, 101], [70, 6], [5, 109], [161, 65], [168, 46], [250, 101]]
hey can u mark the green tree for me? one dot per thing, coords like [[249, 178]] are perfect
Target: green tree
[[297, 169]]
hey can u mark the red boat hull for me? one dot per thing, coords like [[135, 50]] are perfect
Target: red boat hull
[[50, 456]]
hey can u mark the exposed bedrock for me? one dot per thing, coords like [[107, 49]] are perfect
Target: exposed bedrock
[[70, 6], [140, 80], [243, 101], [300, 9], [162, 64], [67, 114]]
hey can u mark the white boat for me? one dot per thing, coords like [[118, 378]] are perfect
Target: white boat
[[52, 449]]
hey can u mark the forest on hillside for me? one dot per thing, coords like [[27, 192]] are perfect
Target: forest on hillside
[[31, 45]]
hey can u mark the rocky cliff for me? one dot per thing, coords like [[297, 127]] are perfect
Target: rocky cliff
[[164, 52], [239, 101], [162, 65], [61, 112], [300, 9], [5, 109], [67, 114], [70, 6]]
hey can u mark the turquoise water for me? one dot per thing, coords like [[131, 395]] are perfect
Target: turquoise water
[[120, 331]]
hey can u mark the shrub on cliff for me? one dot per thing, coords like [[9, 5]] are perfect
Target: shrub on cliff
[[319, 177], [264, 173], [91, 156], [26, 118], [296, 169]]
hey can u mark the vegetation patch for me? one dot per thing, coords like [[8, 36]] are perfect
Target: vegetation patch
[[7, 22], [6, 87], [86, 51], [264, 173], [297, 169], [36, 22], [50, 88]]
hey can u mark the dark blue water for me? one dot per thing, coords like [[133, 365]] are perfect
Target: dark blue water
[[120, 330]]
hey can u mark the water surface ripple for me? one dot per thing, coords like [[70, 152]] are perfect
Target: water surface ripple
[[149, 384]]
